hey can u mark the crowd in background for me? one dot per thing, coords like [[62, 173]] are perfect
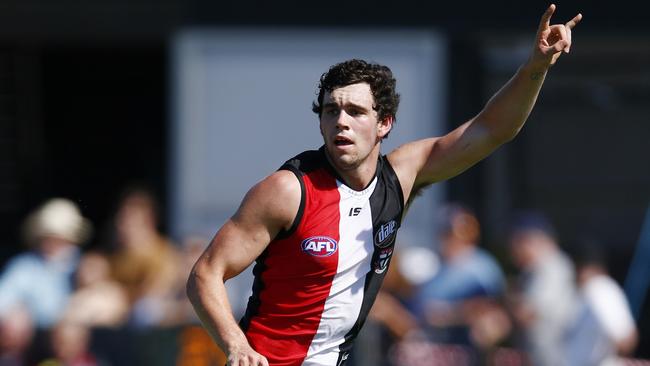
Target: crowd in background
[[554, 310], [56, 295], [447, 304]]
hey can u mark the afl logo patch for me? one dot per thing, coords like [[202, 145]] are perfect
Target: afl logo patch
[[385, 233], [319, 246]]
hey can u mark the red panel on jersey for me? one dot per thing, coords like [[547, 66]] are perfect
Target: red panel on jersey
[[298, 276]]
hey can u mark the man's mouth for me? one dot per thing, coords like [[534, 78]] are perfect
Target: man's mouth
[[342, 141]]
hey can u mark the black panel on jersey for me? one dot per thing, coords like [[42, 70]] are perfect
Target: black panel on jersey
[[254, 302]]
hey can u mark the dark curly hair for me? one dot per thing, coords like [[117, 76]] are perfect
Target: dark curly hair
[[379, 77]]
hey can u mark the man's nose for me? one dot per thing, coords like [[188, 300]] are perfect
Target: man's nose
[[342, 121]]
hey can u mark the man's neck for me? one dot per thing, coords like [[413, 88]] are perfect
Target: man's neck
[[357, 178]]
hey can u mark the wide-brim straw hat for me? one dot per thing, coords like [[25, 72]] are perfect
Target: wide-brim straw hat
[[60, 218]]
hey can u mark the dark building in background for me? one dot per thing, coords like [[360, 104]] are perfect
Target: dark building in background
[[80, 121]]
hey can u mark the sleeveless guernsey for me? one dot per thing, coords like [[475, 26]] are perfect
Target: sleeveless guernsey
[[314, 284]]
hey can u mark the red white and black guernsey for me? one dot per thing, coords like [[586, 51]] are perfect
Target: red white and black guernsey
[[315, 283]]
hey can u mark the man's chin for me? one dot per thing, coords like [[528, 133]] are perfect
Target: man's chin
[[341, 160], [346, 162]]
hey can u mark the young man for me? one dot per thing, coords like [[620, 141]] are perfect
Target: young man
[[322, 228]]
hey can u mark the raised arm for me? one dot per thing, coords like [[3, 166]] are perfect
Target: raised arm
[[268, 207], [423, 162]]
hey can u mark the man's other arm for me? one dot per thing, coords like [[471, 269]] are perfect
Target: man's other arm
[[423, 162], [268, 207]]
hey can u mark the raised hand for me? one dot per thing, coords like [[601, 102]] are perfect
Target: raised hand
[[552, 40]]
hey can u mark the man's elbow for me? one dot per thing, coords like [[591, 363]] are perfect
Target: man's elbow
[[192, 287], [492, 133], [501, 131], [201, 281], [196, 281], [503, 136]]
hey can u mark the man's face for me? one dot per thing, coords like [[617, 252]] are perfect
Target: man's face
[[349, 125]]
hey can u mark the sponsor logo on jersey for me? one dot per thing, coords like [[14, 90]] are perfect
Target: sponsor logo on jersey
[[381, 264], [385, 233], [319, 246]]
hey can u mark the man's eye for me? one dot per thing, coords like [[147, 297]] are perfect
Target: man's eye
[[332, 112]]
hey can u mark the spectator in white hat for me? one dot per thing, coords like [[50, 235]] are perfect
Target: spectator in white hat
[[40, 279]]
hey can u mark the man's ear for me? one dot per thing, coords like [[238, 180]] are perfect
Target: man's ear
[[385, 126]]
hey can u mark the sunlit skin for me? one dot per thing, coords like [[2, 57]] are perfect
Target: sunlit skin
[[352, 132]]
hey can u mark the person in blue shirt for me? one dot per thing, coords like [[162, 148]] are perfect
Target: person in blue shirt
[[40, 280], [467, 288]]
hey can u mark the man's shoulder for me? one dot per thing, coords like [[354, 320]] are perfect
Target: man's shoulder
[[272, 201], [305, 162]]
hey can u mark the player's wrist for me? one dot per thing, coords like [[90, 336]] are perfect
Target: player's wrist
[[535, 69], [235, 344]]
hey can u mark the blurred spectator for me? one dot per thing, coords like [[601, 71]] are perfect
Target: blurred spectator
[[604, 327], [391, 313], [412, 266], [70, 346], [41, 279], [98, 300], [545, 302], [145, 262], [16, 335], [461, 302]]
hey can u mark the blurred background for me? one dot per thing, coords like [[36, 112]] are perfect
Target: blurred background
[[152, 118]]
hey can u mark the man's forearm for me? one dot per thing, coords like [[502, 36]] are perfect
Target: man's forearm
[[210, 301], [507, 111]]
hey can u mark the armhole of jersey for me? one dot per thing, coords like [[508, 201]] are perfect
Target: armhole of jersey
[[301, 209], [397, 182]]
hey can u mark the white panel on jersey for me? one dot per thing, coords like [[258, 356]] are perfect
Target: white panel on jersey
[[343, 304]]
